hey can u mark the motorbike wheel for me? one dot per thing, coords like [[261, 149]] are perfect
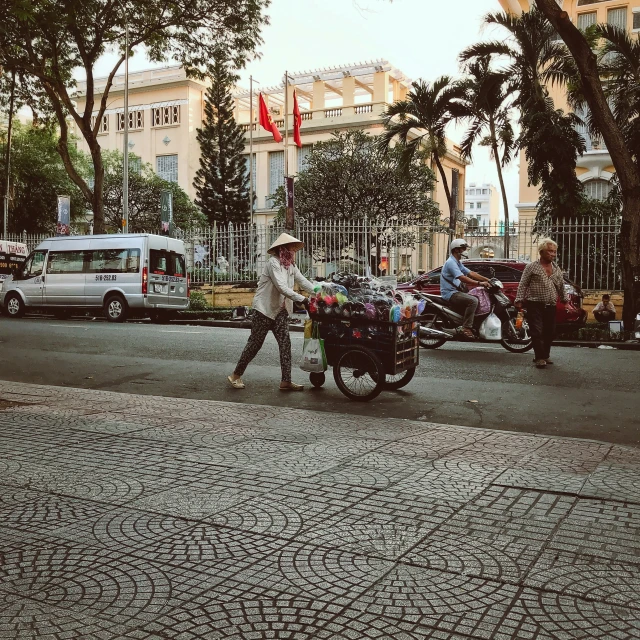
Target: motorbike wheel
[[523, 343], [430, 343]]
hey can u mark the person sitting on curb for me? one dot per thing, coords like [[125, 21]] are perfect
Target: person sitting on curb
[[604, 310]]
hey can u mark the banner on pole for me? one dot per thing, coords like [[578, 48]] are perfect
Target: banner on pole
[[288, 186], [63, 227], [166, 213]]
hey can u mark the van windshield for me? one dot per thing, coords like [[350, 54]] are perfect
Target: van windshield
[[167, 263]]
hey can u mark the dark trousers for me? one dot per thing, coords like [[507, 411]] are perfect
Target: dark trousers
[[604, 316], [542, 324], [467, 305], [260, 327]]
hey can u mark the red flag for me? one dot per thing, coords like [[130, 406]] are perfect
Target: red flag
[[266, 121], [297, 120]]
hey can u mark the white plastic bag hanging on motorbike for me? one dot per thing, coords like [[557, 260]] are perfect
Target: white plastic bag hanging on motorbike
[[491, 328]]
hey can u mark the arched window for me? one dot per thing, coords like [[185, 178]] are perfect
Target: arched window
[[597, 189]]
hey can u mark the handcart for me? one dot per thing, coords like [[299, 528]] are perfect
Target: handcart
[[368, 356]]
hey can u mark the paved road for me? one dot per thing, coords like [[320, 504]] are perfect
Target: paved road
[[589, 393]]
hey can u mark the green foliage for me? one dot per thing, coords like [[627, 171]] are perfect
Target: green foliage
[[37, 178], [428, 109], [349, 177], [198, 301], [145, 187], [48, 44], [548, 135], [222, 181]]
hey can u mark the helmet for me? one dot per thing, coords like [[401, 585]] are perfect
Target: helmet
[[458, 243]]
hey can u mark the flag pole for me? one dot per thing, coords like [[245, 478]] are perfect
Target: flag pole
[[251, 150], [286, 124]]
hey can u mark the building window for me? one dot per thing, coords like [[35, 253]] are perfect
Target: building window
[[136, 120], [167, 167], [166, 116], [479, 205], [303, 155], [246, 167], [585, 20], [597, 189], [636, 19], [276, 171], [618, 17], [584, 3], [135, 165], [104, 124], [471, 205], [484, 192]]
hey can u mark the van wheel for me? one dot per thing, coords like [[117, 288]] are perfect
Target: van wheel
[[116, 309], [14, 306]]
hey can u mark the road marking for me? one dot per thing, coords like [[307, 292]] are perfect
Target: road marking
[[68, 326], [178, 331]]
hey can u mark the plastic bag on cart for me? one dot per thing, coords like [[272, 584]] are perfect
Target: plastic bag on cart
[[314, 358], [491, 328]]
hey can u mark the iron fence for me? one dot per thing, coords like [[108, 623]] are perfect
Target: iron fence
[[235, 254]]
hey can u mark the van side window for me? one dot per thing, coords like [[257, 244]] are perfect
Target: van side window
[[114, 261], [65, 262], [34, 265]]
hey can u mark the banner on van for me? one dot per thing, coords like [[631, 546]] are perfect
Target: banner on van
[[166, 212], [64, 216], [13, 255]]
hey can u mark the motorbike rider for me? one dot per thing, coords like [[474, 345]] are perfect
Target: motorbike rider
[[453, 280]]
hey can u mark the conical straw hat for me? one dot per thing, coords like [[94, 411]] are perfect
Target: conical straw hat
[[285, 238]]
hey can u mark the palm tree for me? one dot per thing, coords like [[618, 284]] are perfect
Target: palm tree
[[488, 109], [427, 110], [549, 137]]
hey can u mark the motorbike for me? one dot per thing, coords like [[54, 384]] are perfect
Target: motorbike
[[440, 322]]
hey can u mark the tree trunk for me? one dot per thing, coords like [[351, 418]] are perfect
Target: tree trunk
[[626, 170], [453, 212], [505, 202]]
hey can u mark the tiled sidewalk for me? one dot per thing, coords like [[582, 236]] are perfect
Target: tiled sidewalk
[[138, 517]]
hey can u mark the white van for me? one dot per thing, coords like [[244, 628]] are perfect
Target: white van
[[122, 274]]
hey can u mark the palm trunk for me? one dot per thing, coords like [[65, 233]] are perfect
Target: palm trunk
[[452, 208], [505, 202]]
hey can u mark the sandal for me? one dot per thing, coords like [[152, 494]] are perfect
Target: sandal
[[236, 384], [292, 386], [467, 333]]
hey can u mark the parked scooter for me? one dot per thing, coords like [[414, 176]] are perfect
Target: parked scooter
[[441, 322]]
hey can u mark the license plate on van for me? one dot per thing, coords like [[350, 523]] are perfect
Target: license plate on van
[[161, 288]]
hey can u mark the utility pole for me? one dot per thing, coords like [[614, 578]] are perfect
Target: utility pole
[[7, 157], [125, 169]]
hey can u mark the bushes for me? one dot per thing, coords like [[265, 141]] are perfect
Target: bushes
[[198, 302]]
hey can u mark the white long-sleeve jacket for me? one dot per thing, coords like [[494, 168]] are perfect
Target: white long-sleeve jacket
[[275, 288]]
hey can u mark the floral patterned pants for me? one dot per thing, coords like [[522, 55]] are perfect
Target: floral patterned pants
[[260, 326]]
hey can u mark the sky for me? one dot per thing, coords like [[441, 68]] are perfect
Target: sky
[[422, 38]]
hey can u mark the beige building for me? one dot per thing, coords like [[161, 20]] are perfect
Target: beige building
[[595, 167], [166, 108]]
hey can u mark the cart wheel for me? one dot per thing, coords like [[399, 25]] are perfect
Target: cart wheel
[[317, 379], [393, 383], [359, 374]]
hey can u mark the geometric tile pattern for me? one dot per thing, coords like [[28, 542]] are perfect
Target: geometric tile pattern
[[139, 517]]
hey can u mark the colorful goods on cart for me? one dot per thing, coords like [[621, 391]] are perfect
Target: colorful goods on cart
[[348, 296]]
